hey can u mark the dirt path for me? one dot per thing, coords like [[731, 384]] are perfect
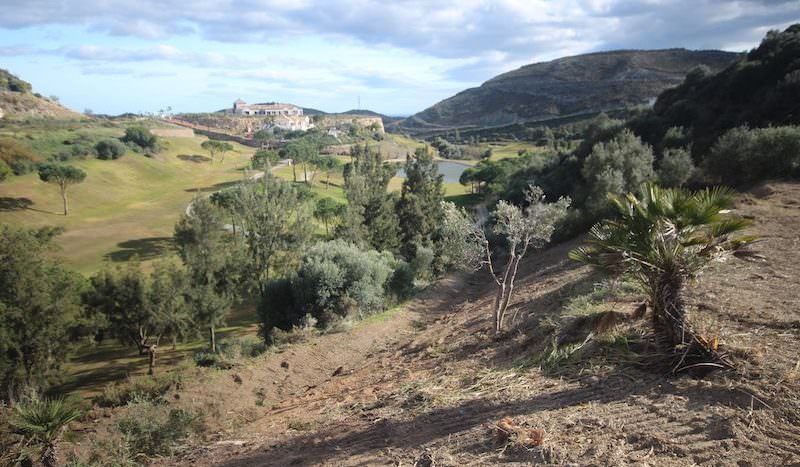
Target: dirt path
[[422, 387]]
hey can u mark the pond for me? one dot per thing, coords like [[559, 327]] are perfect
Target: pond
[[451, 170]]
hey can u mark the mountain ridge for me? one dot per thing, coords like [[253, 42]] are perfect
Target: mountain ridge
[[576, 84]]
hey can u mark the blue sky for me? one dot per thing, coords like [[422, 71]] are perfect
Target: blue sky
[[399, 57]]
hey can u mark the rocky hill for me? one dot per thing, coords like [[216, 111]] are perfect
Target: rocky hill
[[17, 101], [566, 86]]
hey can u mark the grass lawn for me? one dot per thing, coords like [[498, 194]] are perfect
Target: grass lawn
[[125, 207], [506, 150]]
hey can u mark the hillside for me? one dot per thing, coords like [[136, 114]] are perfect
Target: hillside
[[425, 385], [126, 208], [760, 89], [17, 101], [566, 86]]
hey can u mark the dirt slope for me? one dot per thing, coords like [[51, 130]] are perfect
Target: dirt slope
[[423, 386]]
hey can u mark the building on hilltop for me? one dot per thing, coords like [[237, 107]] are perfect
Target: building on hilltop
[[273, 109]]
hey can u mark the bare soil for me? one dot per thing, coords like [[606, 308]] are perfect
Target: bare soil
[[426, 385]]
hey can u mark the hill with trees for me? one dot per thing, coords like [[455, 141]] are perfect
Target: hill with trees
[[18, 101], [566, 86], [760, 89]]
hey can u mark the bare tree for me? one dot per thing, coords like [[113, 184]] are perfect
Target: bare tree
[[523, 229]]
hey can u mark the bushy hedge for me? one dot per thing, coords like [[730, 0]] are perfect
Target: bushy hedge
[[744, 155]]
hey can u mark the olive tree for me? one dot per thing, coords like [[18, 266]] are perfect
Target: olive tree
[[522, 229]]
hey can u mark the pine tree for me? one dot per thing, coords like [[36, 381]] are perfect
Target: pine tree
[[420, 207], [370, 215]]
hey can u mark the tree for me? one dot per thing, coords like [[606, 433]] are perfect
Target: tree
[[215, 147], [227, 201], [40, 309], [213, 263], [328, 165], [42, 423], [420, 207], [618, 166], [327, 210], [675, 168], [468, 178], [276, 220], [141, 310], [522, 229], [370, 215], [661, 239], [301, 151], [263, 159], [63, 176]]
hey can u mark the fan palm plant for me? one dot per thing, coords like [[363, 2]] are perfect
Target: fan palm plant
[[661, 239], [42, 422]]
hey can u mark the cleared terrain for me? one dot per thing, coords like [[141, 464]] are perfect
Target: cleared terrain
[[424, 385]]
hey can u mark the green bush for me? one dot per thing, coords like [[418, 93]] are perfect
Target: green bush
[[154, 430], [141, 137], [675, 168], [743, 155], [422, 262], [110, 149], [5, 171], [19, 158], [337, 278], [401, 284], [149, 388]]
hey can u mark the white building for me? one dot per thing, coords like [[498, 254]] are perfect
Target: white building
[[273, 109]]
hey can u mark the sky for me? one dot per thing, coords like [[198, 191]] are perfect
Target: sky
[[393, 56]]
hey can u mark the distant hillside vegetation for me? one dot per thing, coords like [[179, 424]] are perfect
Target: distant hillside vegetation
[[18, 102], [571, 85], [760, 89]]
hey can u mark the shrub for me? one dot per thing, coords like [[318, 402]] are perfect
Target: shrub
[[744, 155], [152, 430], [109, 149], [675, 168], [422, 261], [337, 278], [150, 388], [401, 284], [142, 137], [5, 171], [19, 158]]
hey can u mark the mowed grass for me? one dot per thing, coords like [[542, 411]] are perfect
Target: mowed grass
[[126, 207], [503, 150]]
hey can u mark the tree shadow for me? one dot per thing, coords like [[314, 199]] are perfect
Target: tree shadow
[[196, 158], [213, 188], [8, 204], [142, 248]]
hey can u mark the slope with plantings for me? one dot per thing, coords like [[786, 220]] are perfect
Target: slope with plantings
[[576, 376]]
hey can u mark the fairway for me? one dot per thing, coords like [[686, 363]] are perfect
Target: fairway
[[127, 207]]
